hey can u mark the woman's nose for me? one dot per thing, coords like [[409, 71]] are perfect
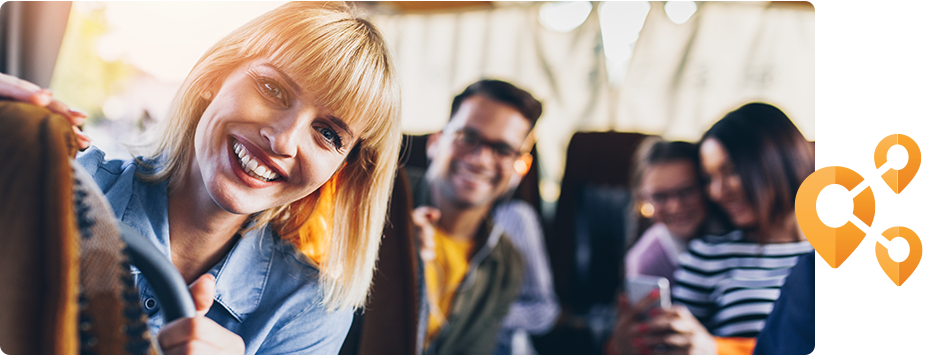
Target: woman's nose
[[283, 134]]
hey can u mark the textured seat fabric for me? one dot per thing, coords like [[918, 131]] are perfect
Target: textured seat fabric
[[111, 320], [38, 245], [67, 287]]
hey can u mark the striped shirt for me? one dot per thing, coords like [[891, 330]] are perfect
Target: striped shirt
[[731, 284]]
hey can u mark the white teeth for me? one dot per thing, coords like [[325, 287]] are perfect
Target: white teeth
[[252, 165]]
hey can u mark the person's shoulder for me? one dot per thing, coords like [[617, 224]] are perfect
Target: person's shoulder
[[520, 221], [731, 237], [716, 246], [106, 172], [294, 294], [505, 245], [510, 255], [734, 244], [515, 207], [291, 271]]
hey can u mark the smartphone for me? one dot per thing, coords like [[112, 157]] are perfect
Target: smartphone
[[638, 287]]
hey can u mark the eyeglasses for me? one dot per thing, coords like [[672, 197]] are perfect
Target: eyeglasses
[[684, 194], [467, 141]]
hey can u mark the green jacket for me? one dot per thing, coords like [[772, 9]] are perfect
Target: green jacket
[[491, 285]]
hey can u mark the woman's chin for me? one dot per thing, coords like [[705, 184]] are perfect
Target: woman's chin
[[744, 221], [683, 232]]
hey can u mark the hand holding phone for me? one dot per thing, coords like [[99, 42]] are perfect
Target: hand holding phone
[[638, 287]]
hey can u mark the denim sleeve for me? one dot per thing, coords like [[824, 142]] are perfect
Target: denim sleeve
[[114, 177]]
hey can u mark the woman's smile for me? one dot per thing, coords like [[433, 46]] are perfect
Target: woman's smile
[[253, 162]]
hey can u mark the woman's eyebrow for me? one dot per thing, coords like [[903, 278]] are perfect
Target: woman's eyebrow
[[340, 123], [295, 86]]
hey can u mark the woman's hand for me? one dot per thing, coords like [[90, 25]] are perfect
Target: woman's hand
[[675, 331], [199, 335], [424, 218], [24, 91], [622, 341]]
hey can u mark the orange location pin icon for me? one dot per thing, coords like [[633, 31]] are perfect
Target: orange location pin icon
[[835, 245], [899, 272], [898, 179]]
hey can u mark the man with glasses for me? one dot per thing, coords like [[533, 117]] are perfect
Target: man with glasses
[[472, 271]]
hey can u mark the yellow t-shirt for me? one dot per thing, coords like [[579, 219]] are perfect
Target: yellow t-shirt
[[443, 276]]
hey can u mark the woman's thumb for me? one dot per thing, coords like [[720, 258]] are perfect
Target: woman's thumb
[[203, 291]]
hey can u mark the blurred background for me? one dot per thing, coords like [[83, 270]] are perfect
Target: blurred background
[[608, 74], [668, 68]]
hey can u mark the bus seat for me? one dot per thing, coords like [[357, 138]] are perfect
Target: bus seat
[[389, 324], [65, 271], [594, 215]]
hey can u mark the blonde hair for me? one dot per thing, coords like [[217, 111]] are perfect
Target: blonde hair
[[324, 45]]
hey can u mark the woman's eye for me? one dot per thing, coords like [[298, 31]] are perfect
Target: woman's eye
[[331, 136], [274, 91]]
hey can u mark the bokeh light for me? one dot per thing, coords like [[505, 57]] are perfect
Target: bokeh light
[[564, 16], [680, 11]]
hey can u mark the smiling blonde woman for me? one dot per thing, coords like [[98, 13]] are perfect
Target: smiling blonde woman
[[267, 183]]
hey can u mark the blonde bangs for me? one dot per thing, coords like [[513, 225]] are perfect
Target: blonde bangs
[[341, 59]]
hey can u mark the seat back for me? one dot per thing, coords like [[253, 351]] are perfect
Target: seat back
[[38, 246], [64, 267], [593, 217], [389, 324]]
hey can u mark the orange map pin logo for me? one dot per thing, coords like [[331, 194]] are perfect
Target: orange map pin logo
[[898, 179], [899, 272], [835, 245]]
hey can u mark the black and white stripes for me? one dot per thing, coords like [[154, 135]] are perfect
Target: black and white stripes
[[731, 284]]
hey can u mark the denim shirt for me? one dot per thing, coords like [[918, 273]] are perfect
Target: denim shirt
[[265, 291]]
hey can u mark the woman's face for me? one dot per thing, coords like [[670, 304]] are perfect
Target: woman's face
[[724, 184], [264, 142], [675, 192]]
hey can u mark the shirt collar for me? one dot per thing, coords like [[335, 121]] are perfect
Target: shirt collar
[[240, 277]]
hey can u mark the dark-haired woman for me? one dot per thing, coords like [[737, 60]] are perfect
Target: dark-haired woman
[[754, 160]]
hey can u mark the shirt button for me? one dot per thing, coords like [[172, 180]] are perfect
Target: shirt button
[[150, 303]]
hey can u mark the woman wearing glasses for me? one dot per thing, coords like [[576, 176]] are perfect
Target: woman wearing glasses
[[667, 180]]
